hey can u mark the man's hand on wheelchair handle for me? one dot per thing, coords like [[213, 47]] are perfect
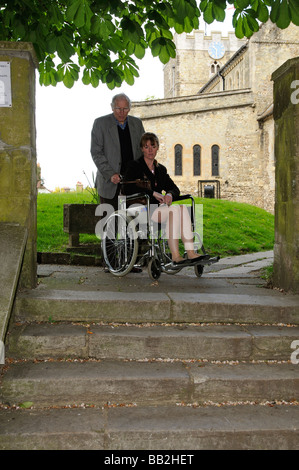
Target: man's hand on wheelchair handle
[[115, 178]]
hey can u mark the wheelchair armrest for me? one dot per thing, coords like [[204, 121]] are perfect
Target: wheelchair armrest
[[181, 198], [136, 196]]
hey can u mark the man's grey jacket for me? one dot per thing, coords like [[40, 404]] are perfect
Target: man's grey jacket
[[106, 153]]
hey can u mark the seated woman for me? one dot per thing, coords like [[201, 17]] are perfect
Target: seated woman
[[176, 217]]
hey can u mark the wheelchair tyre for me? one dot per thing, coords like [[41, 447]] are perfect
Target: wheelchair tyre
[[154, 269], [198, 269], [120, 243]]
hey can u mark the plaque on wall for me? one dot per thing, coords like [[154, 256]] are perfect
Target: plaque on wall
[[5, 85]]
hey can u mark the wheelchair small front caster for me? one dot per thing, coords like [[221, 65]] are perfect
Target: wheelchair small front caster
[[154, 269], [198, 269]]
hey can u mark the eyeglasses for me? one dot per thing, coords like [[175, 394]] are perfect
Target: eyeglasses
[[122, 109]]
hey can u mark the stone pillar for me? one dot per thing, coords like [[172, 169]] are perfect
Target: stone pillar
[[18, 149], [286, 116]]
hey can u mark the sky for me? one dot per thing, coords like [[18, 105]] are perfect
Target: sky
[[64, 119]]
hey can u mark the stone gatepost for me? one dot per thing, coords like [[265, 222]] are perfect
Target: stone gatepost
[[18, 146], [286, 116]]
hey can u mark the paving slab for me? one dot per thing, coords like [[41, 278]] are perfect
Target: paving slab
[[204, 428], [218, 296], [63, 383], [151, 341], [170, 428]]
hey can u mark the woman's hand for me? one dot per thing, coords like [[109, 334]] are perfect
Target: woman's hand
[[168, 199], [159, 197]]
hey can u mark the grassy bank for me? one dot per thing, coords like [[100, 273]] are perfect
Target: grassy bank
[[229, 228]]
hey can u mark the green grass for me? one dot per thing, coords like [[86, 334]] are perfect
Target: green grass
[[229, 228]]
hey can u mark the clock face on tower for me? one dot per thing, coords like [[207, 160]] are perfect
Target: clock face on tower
[[216, 50]]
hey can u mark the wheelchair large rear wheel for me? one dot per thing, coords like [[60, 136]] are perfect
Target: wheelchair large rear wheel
[[120, 243]]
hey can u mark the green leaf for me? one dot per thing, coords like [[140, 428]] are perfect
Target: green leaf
[[274, 15], [139, 51], [262, 13], [252, 24], [248, 31], [68, 80], [294, 10], [64, 49], [164, 48], [86, 77], [242, 4], [26, 404], [218, 12], [79, 13], [129, 78], [131, 30], [208, 14], [239, 28], [284, 18], [95, 78], [102, 27], [112, 79]]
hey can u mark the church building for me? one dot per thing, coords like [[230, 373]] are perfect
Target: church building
[[215, 122]]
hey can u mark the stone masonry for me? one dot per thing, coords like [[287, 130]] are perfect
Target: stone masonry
[[18, 150], [232, 109]]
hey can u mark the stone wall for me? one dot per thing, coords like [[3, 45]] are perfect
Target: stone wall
[[18, 150], [269, 48], [286, 116], [207, 120], [191, 68], [236, 119]]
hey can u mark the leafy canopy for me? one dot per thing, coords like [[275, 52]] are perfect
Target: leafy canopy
[[107, 35]]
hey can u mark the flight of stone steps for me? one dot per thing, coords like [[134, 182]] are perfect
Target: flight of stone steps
[[116, 370]]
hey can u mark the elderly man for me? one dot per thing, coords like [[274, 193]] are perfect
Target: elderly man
[[115, 140]]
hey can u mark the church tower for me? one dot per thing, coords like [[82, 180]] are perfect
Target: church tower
[[198, 58]]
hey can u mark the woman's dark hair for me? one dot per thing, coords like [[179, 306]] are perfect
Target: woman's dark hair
[[151, 137]]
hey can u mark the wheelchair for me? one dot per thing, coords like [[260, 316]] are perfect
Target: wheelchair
[[130, 239]]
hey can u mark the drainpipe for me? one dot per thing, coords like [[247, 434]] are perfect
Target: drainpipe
[[223, 80]]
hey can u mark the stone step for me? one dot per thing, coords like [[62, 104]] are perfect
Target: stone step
[[139, 342], [63, 383], [172, 428], [42, 304]]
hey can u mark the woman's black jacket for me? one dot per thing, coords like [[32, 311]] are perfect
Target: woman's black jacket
[[159, 181]]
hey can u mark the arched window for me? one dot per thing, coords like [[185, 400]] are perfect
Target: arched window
[[178, 157], [196, 160], [215, 160], [214, 67]]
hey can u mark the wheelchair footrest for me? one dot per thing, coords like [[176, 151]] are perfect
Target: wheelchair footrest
[[203, 259]]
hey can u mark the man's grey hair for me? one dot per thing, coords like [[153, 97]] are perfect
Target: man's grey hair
[[120, 96]]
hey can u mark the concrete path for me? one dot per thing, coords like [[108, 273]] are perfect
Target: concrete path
[[227, 273]]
